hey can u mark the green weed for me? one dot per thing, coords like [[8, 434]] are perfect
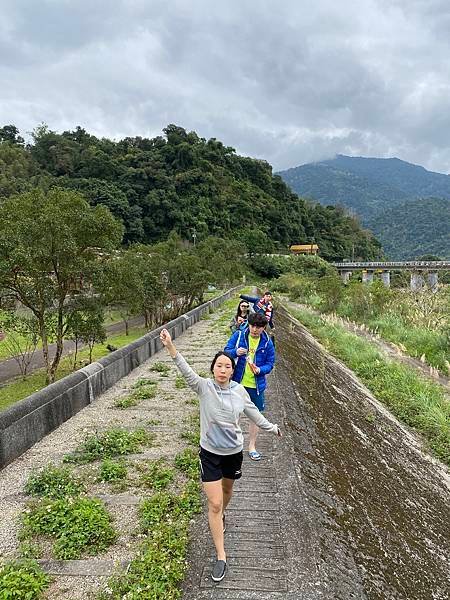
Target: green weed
[[111, 470], [180, 382], [114, 442], [161, 368], [156, 475], [22, 580], [77, 524], [54, 482]]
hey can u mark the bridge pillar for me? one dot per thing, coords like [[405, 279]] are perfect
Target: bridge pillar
[[433, 281], [367, 276], [417, 281], [345, 276], [386, 278]]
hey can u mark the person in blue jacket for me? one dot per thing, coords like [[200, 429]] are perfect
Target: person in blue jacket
[[255, 354]]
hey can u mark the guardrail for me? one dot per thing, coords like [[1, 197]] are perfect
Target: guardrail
[[420, 264], [29, 420]]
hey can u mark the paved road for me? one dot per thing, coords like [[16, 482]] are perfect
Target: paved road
[[9, 369]]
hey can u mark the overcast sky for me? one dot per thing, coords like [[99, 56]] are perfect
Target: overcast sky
[[291, 81]]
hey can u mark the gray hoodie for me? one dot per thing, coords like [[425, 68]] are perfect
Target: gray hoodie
[[220, 410]]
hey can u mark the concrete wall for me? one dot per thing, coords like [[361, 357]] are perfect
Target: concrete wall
[[32, 418]]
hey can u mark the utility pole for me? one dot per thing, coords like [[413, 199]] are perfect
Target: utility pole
[[194, 235]]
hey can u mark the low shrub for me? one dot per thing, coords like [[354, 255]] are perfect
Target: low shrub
[[54, 482], [22, 580], [77, 525], [113, 442]]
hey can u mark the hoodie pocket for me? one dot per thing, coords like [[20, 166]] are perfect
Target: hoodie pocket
[[222, 436]]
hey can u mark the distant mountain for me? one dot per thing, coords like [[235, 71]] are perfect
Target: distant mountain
[[415, 228], [371, 188]]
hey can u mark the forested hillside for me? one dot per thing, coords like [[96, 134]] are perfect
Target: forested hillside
[[429, 219], [179, 182], [384, 194]]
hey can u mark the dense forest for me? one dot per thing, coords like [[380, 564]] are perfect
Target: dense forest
[[179, 182], [429, 220], [400, 202]]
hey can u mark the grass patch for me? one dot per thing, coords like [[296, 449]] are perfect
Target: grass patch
[[415, 401], [111, 471], [54, 482], [78, 525], [22, 580], [180, 382], [143, 391], [160, 566], [192, 437], [156, 475], [113, 442], [161, 368]]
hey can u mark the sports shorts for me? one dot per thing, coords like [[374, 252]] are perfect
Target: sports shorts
[[215, 466], [257, 399]]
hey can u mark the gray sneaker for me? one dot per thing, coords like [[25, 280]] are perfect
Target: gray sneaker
[[219, 569]]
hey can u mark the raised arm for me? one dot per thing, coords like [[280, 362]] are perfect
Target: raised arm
[[252, 299], [194, 381]]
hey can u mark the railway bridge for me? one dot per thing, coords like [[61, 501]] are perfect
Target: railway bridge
[[422, 272]]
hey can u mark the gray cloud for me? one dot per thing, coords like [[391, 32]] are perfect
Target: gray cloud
[[290, 82]]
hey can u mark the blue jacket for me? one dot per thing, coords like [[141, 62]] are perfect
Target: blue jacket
[[264, 356], [264, 309]]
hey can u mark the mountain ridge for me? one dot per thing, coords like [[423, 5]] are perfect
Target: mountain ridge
[[379, 191]]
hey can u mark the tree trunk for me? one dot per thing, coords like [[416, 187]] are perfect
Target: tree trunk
[[44, 339], [75, 354], [59, 343]]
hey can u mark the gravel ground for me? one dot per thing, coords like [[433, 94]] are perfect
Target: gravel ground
[[169, 408]]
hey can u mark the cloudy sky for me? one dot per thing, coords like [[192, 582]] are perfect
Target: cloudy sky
[[290, 81]]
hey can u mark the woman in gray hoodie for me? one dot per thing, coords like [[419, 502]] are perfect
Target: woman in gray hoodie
[[222, 401]]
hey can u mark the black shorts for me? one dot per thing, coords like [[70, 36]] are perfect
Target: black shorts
[[215, 466]]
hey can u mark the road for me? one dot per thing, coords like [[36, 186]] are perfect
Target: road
[[9, 369]]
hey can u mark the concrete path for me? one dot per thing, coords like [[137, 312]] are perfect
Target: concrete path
[[9, 369], [269, 540]]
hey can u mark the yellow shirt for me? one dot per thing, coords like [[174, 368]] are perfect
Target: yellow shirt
[[249, 378]]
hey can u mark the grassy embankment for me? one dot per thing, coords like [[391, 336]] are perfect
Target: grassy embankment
[[415, 401], [416, 323]]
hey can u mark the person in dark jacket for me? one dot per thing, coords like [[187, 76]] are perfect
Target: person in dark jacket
[[239, 321], [262, 305], [255, 354]]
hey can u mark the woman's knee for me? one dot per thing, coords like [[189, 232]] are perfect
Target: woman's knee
[[215, 506]]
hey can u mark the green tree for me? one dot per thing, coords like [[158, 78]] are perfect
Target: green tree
[[331, 289], [85, 324], [122, 286], [49, 247]]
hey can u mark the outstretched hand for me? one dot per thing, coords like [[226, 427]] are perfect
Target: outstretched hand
[[166, 340], [165, 337]]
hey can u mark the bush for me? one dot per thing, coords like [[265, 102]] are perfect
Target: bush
[[53, 482], [80, 524], [22, 580]]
